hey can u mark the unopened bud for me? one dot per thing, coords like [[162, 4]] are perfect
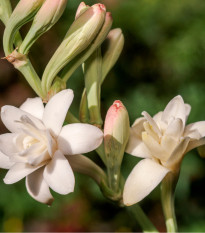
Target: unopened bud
[[111, 50], [23, 13], [116, 135], [58, 85], [92, 74], [47, 16], [116, 130], [81, 9], [80, 35], [85, 54]]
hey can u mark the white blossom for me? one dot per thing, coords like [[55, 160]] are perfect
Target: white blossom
[[162, 141], [38, 141]]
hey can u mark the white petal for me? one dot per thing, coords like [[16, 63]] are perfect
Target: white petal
[[187, 110], [7, 145], [11, 116], [195, 129], [56, 110], [79, 138], [175, 109], [177, 155], [34, 106], [152, 122], [38, 188], [175, 128], [136, 146], [154, 147], [145, 176], [195, 143], [18, 171], [5, 163], [169, 144], [157, 117], [59, 175], [138, 127]]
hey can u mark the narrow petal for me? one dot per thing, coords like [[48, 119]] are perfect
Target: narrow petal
[[175, 128], [187, 110], [195, 130], [136, 146], [34, 106], [145, 176], [11, 117], [138, 127], [18, 171], [7, 145], [59, 175], [38, 188], [56, 110], [5, 163], [175, 109], [152, 123], [79, 138]]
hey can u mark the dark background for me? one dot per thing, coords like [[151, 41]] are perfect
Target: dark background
[[163, 56]]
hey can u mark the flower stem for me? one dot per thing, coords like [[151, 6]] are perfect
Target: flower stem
[[167, 197], [142, 219], [32, 78]]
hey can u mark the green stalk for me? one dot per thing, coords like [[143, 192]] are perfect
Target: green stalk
[[142, 219], [32, 78], [5, 10], [167, 197]]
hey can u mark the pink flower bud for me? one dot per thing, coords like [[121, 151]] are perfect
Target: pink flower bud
[[116, 131]]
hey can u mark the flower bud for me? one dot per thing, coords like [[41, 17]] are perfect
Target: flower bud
[[116, 135], [84, 55], [23, 13], [116, 130], [80, 35], [46, 17], [93, 73], [58, 85], [111, 50], [81, 9]]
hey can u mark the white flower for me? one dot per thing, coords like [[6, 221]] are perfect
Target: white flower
[[162, 141], [36, 147]]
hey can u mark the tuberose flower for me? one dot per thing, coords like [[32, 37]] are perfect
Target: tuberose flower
[[162, 141], [36, 146]]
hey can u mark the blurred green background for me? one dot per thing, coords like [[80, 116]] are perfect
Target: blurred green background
[[164, 55]]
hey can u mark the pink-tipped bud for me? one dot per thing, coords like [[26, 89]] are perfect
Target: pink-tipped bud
[[81, 9], [47, 16], [116, 132]]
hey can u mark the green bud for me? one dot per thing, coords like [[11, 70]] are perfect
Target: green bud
[[93, 74], [116, 135], [83, 111], [81, 9], [111, 50], [58, 85], [46, 17], [23, 13], [82, 57], [80, 35]]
